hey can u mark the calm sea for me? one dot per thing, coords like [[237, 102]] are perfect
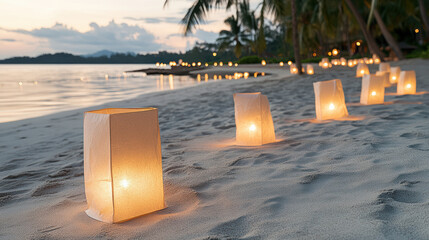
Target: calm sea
[[28, 91]]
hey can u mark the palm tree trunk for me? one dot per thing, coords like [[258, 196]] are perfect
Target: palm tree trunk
[[424, 15], [389, 38], [295, 38], [373, 47]]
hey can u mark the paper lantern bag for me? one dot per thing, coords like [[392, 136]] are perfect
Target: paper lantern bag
[[385, 76], [407, 82], [372, 89], [394, 74], [122, 163], [361, 70], [329, 100], [254, 124]]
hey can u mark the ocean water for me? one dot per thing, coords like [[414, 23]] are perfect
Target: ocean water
[[28, 90]]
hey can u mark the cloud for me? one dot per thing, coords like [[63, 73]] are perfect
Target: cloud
[[174, 20], [115, 37], [200, 34], [8, 40], [155, 20]]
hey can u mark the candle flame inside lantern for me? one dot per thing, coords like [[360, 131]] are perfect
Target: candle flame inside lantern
[[252, 128], [408, 85], [331, 106], [362, 71], [124, 183], [373, 93], [394, 77]]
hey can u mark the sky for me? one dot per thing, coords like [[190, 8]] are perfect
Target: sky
[[34, 27]]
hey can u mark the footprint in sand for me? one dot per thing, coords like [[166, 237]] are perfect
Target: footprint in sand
[[419, 146]]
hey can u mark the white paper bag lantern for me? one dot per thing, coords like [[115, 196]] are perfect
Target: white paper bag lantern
[[293, 69], [407, 83], [122, 163], [329, 100], [361, 70], [394, 74], [385, 76], [384, 67], [310, 70], [372, 89], [253, 119], [325, 63]]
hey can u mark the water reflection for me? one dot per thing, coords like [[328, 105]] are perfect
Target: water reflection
[[35, 90], [170, 81]]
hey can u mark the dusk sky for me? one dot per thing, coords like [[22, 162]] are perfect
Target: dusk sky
[[30, 28]]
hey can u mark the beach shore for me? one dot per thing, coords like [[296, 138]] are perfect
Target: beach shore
[[365, 178]]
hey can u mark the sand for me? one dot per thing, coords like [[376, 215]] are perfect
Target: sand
[[364, 178]]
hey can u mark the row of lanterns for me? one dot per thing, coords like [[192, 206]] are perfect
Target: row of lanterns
[[195, 64], [325, 63], [122, 147]]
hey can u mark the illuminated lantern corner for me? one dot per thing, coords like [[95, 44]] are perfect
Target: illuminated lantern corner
[[122, 163], [394, 74], [329, 100], [385, 76], [254, 124], [372, 89], [407, 83], [361, 70]]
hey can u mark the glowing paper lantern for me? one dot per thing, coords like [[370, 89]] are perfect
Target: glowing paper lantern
[[293, 69], [394, 74], [281, 64], [253, 119], [310, 70], [263, 63], [361, 70], [350, 63], [329, 98], [372, 89], [122, 163], [407, 82], [384, 67], [385, 77]]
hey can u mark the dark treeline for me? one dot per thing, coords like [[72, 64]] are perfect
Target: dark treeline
[[202, 52]]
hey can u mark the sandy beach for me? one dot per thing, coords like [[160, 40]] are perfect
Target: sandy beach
[[363, 178]]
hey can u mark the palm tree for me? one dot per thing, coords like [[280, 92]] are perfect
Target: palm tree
[[389, 38], [373, 47], [199, 9], [424, 16], [234, 37]]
